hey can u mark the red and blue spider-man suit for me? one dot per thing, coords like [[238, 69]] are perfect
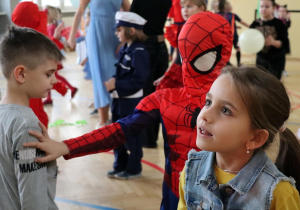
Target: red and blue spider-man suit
[[205, 44]]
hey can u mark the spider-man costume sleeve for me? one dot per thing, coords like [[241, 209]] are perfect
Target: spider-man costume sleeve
[[114, 135], [205, 44]]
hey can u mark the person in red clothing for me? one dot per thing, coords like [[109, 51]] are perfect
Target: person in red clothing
[[173, 76], [205, 44], [52, 19], [27, 14]]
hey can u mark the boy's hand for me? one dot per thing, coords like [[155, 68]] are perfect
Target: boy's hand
[[52, 148], [110, 84], [269, 40]]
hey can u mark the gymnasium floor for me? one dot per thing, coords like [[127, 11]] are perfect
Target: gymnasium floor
[[82, 182]]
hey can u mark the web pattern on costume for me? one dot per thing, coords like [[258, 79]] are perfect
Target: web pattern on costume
[[199, 40], [179, 108]]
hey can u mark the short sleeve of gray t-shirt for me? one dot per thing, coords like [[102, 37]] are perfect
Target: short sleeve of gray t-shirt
[[24, 184]]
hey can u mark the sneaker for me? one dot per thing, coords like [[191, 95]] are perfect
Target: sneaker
[[124, 175], [95, 111], [73, 92], [285, 73], [111, 174], [48, 102], [105, 124]]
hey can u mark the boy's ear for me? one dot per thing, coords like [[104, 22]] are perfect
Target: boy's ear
[[259, 139], [19, 73]]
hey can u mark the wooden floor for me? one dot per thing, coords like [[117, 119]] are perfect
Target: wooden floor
[[82, 182]]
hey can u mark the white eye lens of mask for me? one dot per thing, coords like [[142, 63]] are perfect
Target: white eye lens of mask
[[206, 62]]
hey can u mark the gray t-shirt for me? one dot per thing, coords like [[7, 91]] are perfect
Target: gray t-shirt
[[24, 184]]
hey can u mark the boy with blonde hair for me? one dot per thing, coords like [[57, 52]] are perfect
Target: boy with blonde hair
[[28, 62]]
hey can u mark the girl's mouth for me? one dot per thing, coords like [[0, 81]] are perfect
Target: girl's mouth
[[204, 132]]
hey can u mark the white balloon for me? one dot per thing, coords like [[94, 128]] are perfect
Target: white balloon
[[251, 41]]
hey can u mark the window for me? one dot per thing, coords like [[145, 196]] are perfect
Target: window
[[64, 5]]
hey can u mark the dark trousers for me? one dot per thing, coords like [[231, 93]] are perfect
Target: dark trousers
[[128, 156], [159, 61], [275, 65]]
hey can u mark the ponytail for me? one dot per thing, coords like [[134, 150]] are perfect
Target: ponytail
[[288, 159]]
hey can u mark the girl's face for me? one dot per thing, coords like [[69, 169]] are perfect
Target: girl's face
[[223, 124], [282, 12], [188, 9], [120, 33], [266, 9]]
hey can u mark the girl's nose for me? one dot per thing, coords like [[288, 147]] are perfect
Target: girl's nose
[[205, 115]]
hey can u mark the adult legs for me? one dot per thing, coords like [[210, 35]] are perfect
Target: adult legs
[[103, 114], [159, 64]]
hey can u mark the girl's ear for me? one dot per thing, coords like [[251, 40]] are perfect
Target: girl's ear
[[19, 74], [259, 139], [132, 31]]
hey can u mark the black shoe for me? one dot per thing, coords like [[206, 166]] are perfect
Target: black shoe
[[150, 146], [111, 174], [124, 175], [95, 111]]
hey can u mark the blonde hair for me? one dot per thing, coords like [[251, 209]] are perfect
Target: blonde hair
[[199, 3], [53, 14], [137, 36]]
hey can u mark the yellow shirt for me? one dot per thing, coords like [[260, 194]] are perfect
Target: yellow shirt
[[285, 196]]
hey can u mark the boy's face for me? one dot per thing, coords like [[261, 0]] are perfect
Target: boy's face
[[39, 82], [188, 9], [266, 9], [120, 33]]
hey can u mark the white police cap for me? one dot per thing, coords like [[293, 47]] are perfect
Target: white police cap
[[129, 19]]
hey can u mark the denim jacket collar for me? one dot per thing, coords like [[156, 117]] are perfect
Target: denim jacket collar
[[243, 180]]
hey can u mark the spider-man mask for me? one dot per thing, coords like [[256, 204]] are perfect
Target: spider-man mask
[[205, 44]]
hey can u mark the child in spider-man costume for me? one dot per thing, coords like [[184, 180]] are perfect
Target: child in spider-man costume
[[186, 8], [205, 44]]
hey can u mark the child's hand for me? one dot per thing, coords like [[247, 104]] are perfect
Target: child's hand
[[110, 84], [269, 40], [156, 82], [53, 149], [58, 29]]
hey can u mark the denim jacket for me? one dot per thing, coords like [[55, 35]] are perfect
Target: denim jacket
[[252, 187]]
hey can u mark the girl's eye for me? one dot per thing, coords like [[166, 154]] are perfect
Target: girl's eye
[[49, 75], [207, 102], [226, 111]]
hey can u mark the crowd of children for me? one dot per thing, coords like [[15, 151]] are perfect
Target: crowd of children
[[199, 103]]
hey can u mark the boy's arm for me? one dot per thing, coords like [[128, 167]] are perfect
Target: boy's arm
[[32, 177], [53, 149], [244, 23], [103, 139]]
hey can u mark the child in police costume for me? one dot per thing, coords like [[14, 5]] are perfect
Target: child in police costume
[[28, 62], [133, 69]]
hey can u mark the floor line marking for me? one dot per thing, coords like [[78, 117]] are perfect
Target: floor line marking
[[84, 204]]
